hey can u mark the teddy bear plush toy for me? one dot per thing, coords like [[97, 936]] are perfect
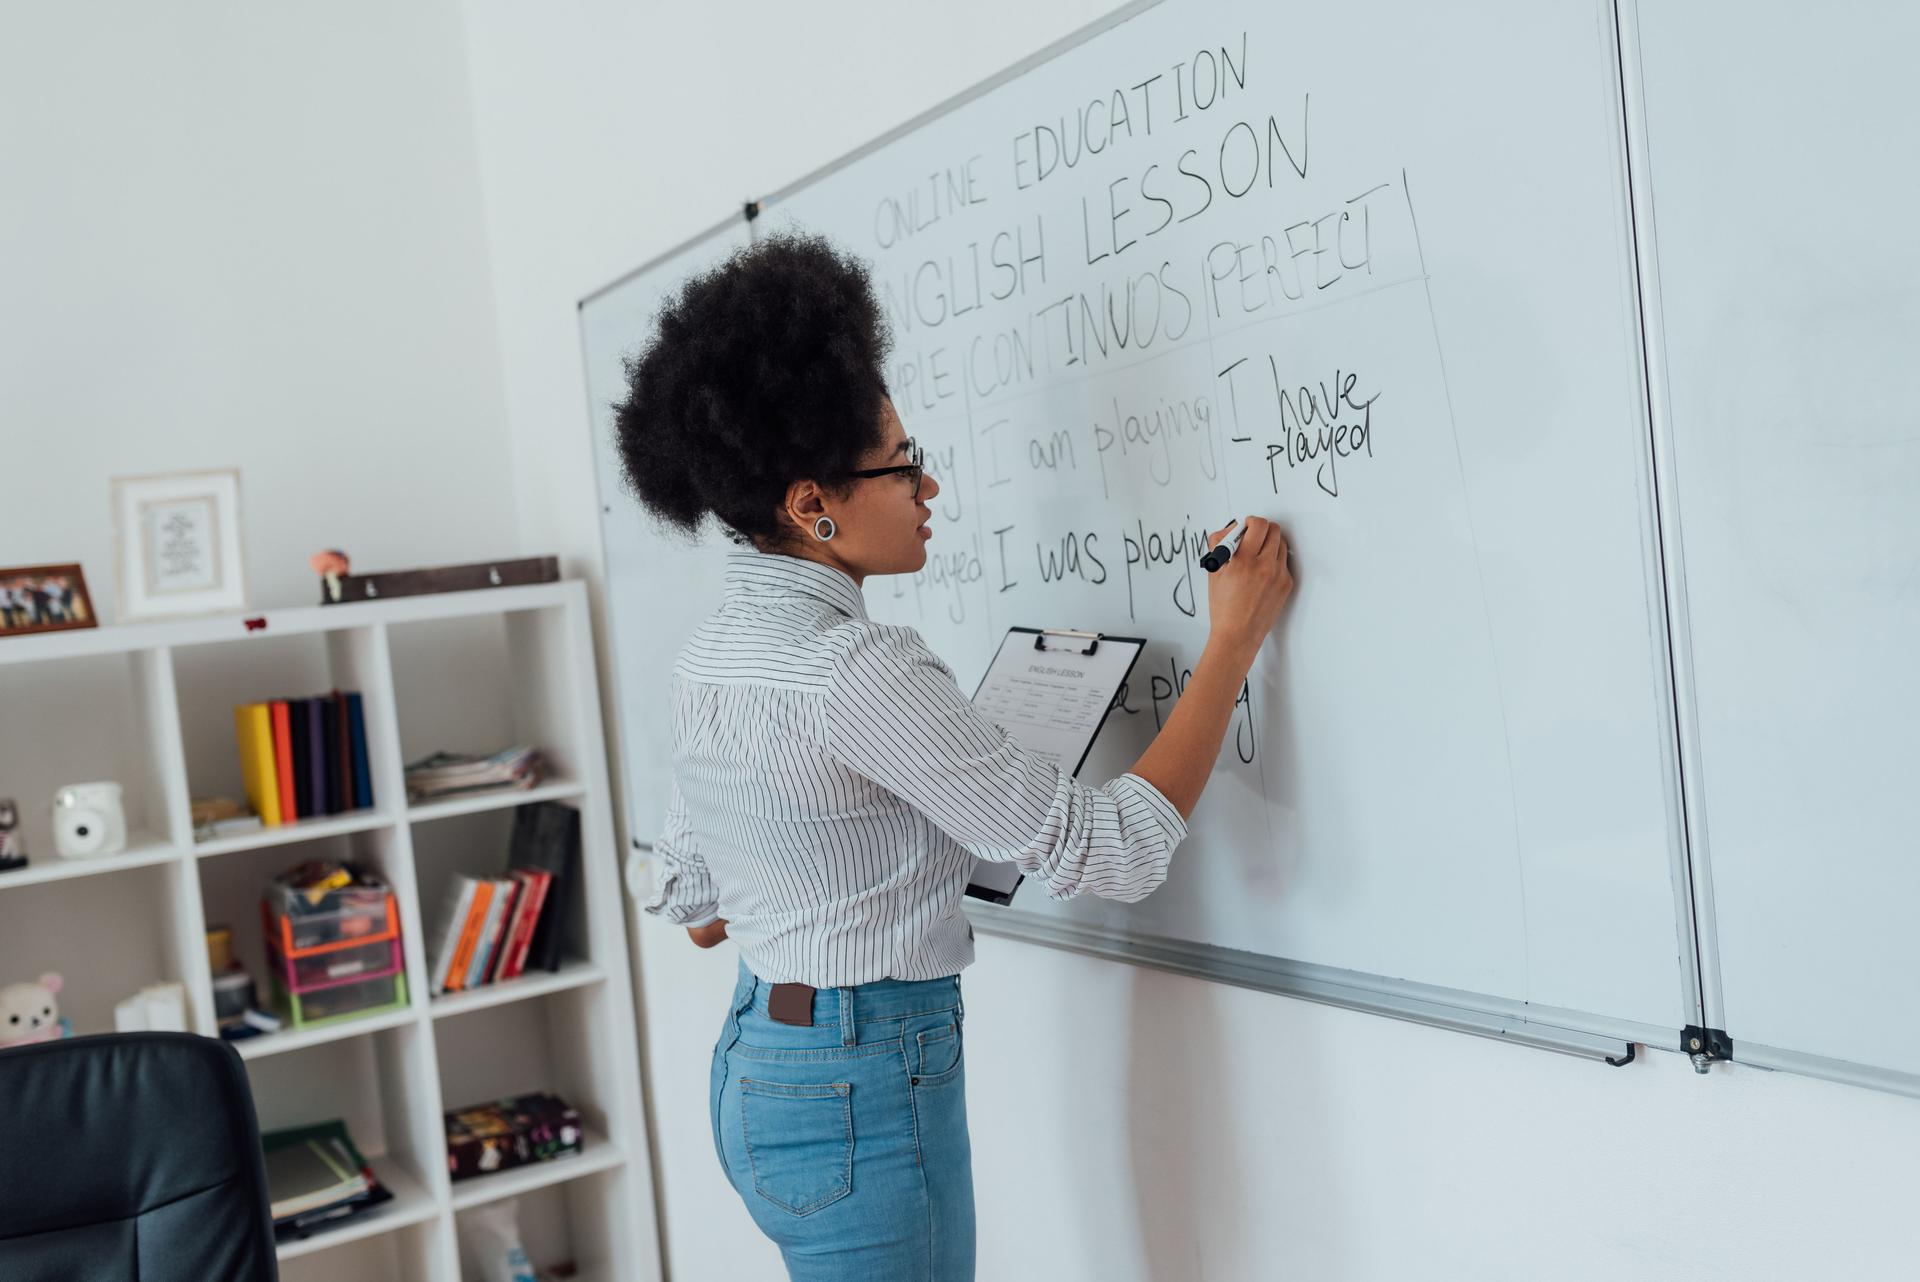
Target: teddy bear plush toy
[[30, 1012]]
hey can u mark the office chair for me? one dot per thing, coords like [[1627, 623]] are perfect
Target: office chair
[[131, 1157]]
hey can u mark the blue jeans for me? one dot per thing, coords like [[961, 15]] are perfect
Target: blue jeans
[[848, 1140]]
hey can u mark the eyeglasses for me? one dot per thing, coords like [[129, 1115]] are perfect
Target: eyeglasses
[[912, 470]]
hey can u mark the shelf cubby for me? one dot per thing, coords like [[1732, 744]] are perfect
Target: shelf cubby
[[510, 686], [107, 937], [84, 718], [556, 1220]]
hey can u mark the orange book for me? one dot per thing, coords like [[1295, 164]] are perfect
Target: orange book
[[283, 759], [470, 936]]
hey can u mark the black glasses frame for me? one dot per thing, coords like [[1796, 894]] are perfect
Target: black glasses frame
[[911, 470]]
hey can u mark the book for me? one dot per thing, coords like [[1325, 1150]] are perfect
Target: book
[[511, 1132], [315, 1175], [445, 938], [302, 776], [253, 724], [478, 956], [512, 889], [329, 754], [343, 743], [317, 755], [489, 932], [533, 897], [470, 935], [510, 933], [446, 773], [362, 773], [546, 836], [283, 760]]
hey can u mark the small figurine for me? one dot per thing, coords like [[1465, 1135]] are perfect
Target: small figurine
[[29, 1012], [13, 844], [331, 565]]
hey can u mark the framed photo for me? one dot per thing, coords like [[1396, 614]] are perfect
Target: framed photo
[[44, 598], [177, 544]]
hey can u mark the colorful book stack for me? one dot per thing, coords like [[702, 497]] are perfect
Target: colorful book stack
[[304, 758], [493, 928]]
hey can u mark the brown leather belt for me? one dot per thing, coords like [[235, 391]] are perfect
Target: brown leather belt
[[791, 1004]]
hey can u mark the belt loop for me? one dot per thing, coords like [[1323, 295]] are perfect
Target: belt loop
[[959, 1000], [846, 1017]]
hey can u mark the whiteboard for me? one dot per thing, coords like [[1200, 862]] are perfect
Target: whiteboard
[[1777, 143], [1368, 270], [659, 585]]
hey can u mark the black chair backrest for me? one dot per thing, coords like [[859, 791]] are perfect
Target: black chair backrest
[[131, 1156]]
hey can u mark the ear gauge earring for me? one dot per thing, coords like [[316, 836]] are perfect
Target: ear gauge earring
[[824, 528]]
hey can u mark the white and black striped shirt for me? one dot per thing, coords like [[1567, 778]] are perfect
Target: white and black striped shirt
[[830, 781]]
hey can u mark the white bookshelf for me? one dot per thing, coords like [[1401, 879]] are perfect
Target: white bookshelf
[[151, 706]]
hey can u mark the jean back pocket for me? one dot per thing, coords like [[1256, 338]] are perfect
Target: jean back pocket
[[799, 1140]]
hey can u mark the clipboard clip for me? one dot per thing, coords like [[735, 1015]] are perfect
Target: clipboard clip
[[1071, 640]]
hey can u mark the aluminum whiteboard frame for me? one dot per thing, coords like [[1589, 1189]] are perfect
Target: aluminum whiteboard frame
[[1702, 942], [1501, 1019]]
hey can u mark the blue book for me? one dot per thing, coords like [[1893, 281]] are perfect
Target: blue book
[[362, 775]]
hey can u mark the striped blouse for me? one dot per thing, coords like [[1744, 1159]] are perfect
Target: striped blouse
[[830, 783]]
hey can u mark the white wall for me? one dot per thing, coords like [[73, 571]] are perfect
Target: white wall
[[247, 235], [1127, 1125]]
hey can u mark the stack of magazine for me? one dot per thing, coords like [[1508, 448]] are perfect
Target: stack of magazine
[[446, 774], [315, 1176]]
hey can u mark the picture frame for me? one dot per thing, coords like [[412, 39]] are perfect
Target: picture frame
[[44, 598], [177, 544]]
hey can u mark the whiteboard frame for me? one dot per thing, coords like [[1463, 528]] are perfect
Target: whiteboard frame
[[1574, 1033], [1701, 942]]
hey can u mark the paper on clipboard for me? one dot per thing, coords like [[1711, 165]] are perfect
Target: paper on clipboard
[[1050, 691]]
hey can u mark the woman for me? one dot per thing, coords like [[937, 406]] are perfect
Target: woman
[[831, 783]]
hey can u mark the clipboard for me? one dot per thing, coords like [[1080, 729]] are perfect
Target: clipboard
[[1052, 690]]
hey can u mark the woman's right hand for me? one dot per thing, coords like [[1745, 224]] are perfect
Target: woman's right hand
[[1245, 596]]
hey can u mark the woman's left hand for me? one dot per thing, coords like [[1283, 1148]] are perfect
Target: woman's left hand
[[710, 934]]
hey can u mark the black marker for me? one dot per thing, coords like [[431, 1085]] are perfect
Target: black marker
[[1222, 552]]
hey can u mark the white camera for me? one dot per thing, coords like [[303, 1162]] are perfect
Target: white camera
[[89, 820]]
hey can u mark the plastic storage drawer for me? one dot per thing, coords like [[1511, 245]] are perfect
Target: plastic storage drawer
[[361, 917], [309, 970], [354, 1000]]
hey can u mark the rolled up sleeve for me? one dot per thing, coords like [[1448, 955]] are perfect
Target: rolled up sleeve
[[682, 889], [895, 715]]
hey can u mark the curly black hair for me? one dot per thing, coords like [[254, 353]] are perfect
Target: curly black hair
[[765, 370]]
